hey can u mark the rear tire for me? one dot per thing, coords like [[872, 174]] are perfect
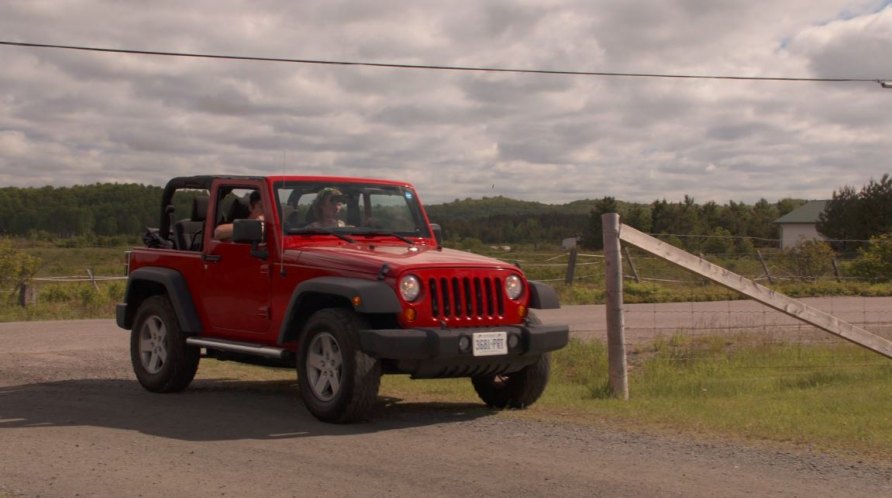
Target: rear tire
[[338, 382], [162, 361]]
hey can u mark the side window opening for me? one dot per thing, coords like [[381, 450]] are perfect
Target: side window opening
[[234, 203]]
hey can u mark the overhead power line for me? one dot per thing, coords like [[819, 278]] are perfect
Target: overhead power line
[[886, 83]]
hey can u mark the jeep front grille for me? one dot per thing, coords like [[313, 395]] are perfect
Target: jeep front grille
[[466, 297]]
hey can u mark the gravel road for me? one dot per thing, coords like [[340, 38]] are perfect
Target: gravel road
[[74, 422]]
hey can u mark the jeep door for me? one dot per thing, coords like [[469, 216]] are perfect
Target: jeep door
[[236, 290]]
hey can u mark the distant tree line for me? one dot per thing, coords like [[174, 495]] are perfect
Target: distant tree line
[[111, 209], [104, 209], [853, 217], [501, 220], [709, 227]]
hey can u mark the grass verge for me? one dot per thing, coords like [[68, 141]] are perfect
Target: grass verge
[[834, 398]]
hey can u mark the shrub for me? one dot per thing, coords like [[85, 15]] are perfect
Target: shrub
[[875, 261], [56, 293], [744, 246], [15, 266], [809, 260], [719, 242]]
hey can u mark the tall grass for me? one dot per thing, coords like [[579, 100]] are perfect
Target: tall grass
[[65, 301], [58, 261], [833, 397], [69, 300]]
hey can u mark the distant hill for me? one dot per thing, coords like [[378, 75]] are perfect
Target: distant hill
[[505, 220], [486, 207], [110, 209]]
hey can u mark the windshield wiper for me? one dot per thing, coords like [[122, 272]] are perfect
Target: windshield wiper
[[372, 233], [321, 231]]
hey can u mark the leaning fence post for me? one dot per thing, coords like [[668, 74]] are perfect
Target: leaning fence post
[[616, 344], [631, 264], [836, 269], [92, 278], [764, 266]]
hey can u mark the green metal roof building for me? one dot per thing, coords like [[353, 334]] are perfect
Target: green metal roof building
[[800, 224]]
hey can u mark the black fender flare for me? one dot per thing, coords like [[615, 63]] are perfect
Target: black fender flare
[[543, 296], [364, 296], [174, 284]]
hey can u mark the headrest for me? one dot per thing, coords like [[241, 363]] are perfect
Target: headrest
[[238, 209], [199, 208]]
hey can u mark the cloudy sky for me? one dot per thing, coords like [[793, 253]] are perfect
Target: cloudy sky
[[73, 117]]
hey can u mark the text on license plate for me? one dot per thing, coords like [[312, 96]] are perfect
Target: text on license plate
[[490, 343]]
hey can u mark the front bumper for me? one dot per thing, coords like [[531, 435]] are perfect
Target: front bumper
[[429, 352]]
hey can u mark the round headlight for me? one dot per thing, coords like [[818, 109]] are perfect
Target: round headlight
[[410, 287], [513, 286]]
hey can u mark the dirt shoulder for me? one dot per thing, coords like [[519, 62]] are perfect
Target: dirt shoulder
[[74, 421]]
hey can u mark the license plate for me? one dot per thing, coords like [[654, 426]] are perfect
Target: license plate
[[490, 343]]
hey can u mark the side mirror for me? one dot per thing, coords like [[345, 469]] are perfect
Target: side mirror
[[438, 233], [250, 231]]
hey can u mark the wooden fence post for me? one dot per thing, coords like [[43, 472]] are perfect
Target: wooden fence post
[[27, 294], [616, 343], [571, 266]]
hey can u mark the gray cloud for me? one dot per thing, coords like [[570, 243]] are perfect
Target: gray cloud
[[74, 117]]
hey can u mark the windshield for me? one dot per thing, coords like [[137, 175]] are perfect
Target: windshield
[[349, 209]]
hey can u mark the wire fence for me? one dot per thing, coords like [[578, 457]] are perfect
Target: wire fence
[[28, 292], [772, 266], [668, 307]]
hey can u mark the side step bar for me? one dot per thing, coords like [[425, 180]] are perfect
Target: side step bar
[[237, 347]]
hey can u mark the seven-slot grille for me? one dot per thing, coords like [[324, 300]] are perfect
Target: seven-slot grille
[[466, 297]]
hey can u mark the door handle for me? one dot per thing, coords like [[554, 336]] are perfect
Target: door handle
[[211, 258]]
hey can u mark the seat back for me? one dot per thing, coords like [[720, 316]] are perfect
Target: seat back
[[188, 233]]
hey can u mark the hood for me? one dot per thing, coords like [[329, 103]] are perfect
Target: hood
[[368, 258]]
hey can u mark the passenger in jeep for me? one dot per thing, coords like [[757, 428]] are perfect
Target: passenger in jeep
[[224, 231], [325, 208]]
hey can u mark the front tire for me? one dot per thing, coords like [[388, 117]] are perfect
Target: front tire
[[162, 361], [518, 389], [514, 390], [338, 382]]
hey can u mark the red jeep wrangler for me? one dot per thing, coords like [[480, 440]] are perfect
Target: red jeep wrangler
[[344, 278]]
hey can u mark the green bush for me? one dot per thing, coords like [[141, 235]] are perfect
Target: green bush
[[15, 266], [115, 291], [744, 246], [719, 242], [810, 260], [875, 261], [57, 293]]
